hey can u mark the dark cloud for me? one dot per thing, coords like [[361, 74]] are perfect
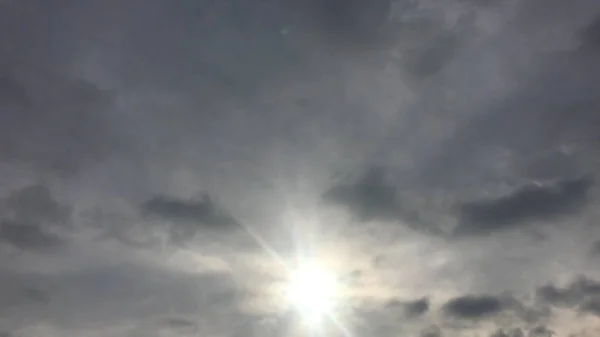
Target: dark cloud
[[371, 197], [374, 197], [474, 307], [204, 210], [582, 294], [530, 202], [572, 294], [591, 34], [189, 215], [484, 3], [411, 309], [591, 306], [22, 292], [36, 295], [12, 92], [538, 331], [179, 323], [417, 308], [595, 249], [52, 122], [550, 107], [541, 331], [29, 236], [348, 23], [31, 218], [429, 60], [35, 203]]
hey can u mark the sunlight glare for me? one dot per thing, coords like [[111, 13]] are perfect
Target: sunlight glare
[[311, 290]]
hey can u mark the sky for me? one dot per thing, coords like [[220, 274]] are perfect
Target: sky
[[164, 164]]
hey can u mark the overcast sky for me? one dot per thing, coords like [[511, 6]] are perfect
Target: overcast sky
[[160, 161]]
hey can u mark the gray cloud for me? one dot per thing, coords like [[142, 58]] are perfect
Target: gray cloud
[[374, 197], [474, 307], [29, 236], [591, 34], [457, 109], [582, 293], [538, 331], [430, 59], [595, 248], [411, 309], [541, 331], [516, 332], [417, 308], [348, 22], [189, 215], [433, 331], [179, 323], [56, 123], [31, 218], [204, 210], [530, 202], [156, 298], [36, 295], [369, 198], [591, 306], [480, 143], [35, 203]]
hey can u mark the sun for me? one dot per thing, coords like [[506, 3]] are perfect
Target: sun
[[312, 292]]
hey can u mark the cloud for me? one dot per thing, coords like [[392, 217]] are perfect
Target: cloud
[[372, 197], [33, 219], [591, 34], [179, 323], [591, 306], [348, 23], [153, 296], [541, 331], [369, 198], [443, 102], [538, 331], [582, 294], [36, 295], [430, 59], [561, 78], [595, 248], [11, 90], [528, 203], [35, 203], [411, 309], [189, 215], [417, 308], [29, 236], [474, 307], [52, 121], [204, 210], [516, 332], [433, 331]]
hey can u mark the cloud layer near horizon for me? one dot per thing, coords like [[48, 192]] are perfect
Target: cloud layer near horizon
[[160, 159]]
